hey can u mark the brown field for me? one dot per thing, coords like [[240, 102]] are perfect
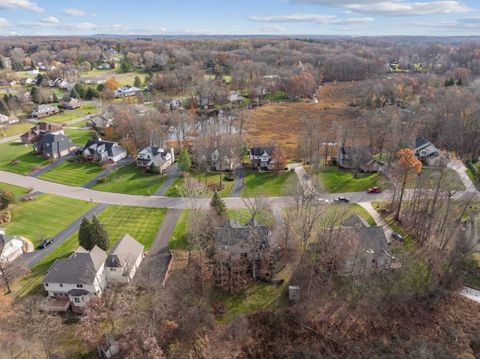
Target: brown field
[[282, 124]]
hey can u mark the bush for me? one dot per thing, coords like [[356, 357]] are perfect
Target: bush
[[102, 179], [6, 198]]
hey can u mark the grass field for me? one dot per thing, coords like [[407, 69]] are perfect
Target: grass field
[[123, 79], [336, 180], [68, 115], [178, 240], [25, 159], [15, 129], [79, 137], [17, 191], [268, 184], [132, 180], [206, 178], [362, 212], [72, 172], [44, 217]]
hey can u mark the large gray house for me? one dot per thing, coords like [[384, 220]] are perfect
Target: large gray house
[[54, 146], [103, 151]]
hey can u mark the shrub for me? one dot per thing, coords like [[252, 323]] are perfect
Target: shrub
[[6, 198]]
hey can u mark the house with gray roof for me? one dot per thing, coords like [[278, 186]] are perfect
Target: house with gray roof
[[41, 111], [425, 149], [103, 151], [155, 158], [54, 146], [123, 260]]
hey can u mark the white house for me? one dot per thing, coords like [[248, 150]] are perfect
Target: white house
[[5, 120], [10, 247], [155, 157], [123, 261], [424, 148], [126, 91], [71, 282], [103, 151]]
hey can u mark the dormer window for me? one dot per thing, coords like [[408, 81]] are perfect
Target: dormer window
[[79, 285], [61, 285]]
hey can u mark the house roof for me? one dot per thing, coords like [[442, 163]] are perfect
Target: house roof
[[421, 141], [124, 253], [77, 292], [354, 221], [80, 268], [54, 143], [231, 232], [112, 148], [258, 151]]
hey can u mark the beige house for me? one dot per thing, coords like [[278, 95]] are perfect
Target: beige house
[[123, 261]]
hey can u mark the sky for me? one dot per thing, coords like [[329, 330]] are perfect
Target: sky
[[240, 17]]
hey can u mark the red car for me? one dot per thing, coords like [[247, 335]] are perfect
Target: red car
[[374, 190]]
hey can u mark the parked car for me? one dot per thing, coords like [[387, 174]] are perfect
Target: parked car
[[397, 236], [45, 243], [374, 190], [341, 199]]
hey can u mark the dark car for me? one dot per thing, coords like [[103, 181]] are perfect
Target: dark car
[[45, 243], [397, 236], [342, 200], [374, 190]]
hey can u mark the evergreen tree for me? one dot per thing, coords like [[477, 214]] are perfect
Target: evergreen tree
[[137, 82], [74, 94], [4, 110], [55, 98], [91, 93], [98, 234], [84, 234], [80, 90], [184, 160], [36, 95], [2, 65], [218, 204]]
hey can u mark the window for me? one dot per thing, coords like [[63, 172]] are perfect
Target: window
[[77, 300], [61, 285], [113, 269], [46, 284], [79, 285]]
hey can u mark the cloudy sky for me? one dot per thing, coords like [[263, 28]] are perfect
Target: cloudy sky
[[332, 17]]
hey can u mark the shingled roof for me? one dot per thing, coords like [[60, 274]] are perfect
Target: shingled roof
[[124, 253]]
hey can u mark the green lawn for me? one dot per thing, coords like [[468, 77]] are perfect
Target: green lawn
[[428, 177], [73, 172], [178, 240], [141, 223], [362, 212], [255, 297], [68, 115], [25, 159], [17, 191], [44, 217], [206, 178], [336, 180], [132, 180], [268, 184], [15, 129], [79, 137]]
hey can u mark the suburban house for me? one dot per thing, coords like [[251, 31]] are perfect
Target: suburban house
[[102, 151], [123, 260], [155, 158], [220, 161], [234, 240], [126, 91], [100, 122], [71, 282], [70, 104], [235, 96], [41, 111], [358, 158], [53, 146], [10, 247], [425, 149], [39, 130], [5, 120], [267, 158], [362, 249]]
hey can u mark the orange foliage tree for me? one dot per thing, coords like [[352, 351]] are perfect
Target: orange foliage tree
[[110, 86], [407, 164]]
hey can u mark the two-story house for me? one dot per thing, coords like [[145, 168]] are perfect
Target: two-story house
[[103, 151], [39, 130], [41, 111], [155, 158], [54, 146], [123, 260], [260, 157], [424, 148]]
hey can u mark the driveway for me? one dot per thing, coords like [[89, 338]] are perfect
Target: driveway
[[378, 218], [52, 165], [172, 173], [30, 260], [110, 169], [458, 166], [238, 184], [9, 139], [156, 263]]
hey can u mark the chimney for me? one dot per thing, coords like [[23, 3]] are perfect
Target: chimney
[[172, 151]]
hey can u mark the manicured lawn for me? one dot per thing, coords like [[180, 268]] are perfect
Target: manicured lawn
[[178, 240], [15, 129], [72, 172], [336, 180], [79, 137], [132, 180], [25, 159], [44, 217], [362, 212], [68, 115], [141, 223], [428, 178], [255, 297], [268, 184], [17, 191], [208, 179]]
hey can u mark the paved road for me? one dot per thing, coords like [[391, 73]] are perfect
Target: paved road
[[156, 263], [31, 259], [172, 173], [122, 162], [238, 184]]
